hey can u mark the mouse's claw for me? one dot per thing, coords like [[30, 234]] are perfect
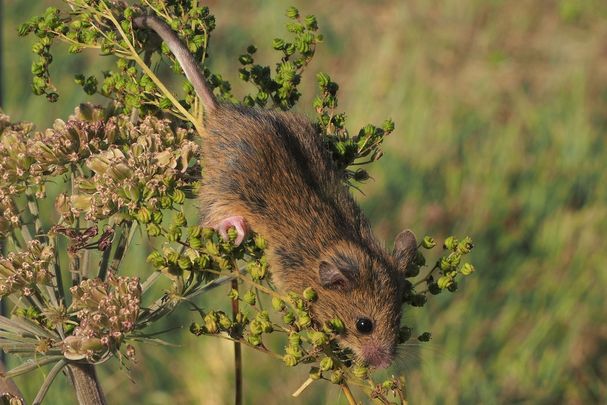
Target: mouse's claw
[[238, 223]]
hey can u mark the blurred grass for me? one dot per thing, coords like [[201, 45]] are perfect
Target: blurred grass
[[501, 115]]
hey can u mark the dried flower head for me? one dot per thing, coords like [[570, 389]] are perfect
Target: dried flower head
[[107, 311], [21, 272], [154, 166]]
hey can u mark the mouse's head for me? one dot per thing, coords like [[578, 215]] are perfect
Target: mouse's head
[[364, 288]]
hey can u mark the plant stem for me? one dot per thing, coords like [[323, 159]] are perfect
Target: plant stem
[[48, 381], [348, 394], [237, 349], [86, 384]]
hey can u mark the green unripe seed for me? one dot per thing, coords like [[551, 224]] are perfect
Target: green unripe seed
[[309, 294], [289, 360], [326, 364]]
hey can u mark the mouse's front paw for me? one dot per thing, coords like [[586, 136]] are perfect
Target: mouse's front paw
[[238, 223]]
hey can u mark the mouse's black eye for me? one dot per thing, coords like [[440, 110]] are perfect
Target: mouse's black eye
[[364, 325]]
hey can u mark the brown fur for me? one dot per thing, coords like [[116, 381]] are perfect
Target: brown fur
[[272, 169]]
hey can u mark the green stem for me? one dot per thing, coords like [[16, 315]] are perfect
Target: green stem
[[74, 258], [48, 381], [348, 394], [135, 56], [86, 384], [32, 205], [123, 245], [237, 349]]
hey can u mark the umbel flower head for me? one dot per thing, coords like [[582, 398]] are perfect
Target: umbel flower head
[[145, 173], [131, 164], [23, 271], [108, 311]]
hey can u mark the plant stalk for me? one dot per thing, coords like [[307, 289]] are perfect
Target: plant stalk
[[237, 350], [86, 384], [346, 389]]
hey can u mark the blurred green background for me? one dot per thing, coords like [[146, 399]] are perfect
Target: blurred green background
[[501, 116]]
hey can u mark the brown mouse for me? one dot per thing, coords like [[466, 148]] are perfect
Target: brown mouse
[[269, 171]]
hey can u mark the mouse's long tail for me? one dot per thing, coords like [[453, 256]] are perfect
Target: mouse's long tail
[[183, 56]]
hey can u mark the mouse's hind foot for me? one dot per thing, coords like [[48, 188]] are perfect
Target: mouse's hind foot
[[237, 223]]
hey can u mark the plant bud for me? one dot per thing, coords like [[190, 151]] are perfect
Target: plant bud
[[450, 243], [428, 242], [292, 12], [315, 373], [249, 298], [278, 304], [337, 377], [465, 246], [224, 321], [194, 231], [326, 364], [178, 196], [166, 202], [196, 329], [288, 318], [318, 338], [388, 126], [195, 243], [255, 327], [444, 282], [232, 234], [210, 324], [155, 259], [337, 325], [278, 44], [360, 371], [254, 340], [289, 360], [467, 269], [309, 294], [180, 219], [444, 264], [212, 248], [153, 229], [260, 242], [294, 339], [174, 233], [157, 217], [304, 321], [208, 233], [184, 263]]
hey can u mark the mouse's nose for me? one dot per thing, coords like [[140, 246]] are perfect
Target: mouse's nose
[[377, 356]]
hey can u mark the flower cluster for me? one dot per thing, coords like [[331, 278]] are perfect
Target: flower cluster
[[85, 133], [14, 170], [151, 172], [22, 271], [107, 310]]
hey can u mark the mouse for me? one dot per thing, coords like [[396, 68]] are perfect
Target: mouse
[[269, 172]]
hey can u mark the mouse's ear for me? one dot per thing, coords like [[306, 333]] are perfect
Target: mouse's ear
[[336, 278], [405, 249]]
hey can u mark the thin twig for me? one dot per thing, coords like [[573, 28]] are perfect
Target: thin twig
[[48, 381], [346, 389], [237, 345], [303, 386], [135, 56]]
